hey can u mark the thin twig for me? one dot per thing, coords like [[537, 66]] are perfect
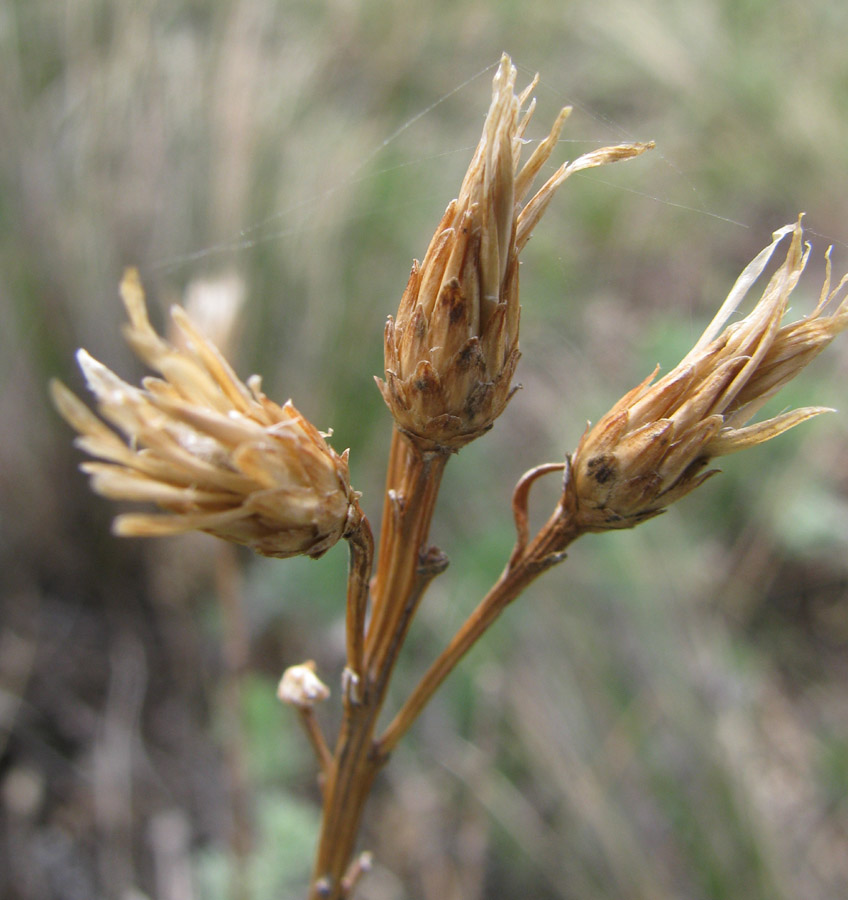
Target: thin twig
[[520, 498], [359, 867], [546, 550], [317, 739], [361, 544]]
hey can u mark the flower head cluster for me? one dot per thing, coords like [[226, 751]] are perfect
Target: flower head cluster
[[213, 453], [451, 351], [653, 446]]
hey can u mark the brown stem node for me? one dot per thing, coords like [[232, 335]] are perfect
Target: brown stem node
[[323, 887], [432, 563]]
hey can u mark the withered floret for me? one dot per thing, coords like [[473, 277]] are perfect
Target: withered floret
[[654, 445], [452, 349], [213, 453]]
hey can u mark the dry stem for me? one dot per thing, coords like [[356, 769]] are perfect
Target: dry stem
[[316, 738], [405, 566], [403, 575], [361, 544], [546, 549]]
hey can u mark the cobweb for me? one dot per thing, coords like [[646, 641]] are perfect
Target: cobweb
[[680, 191]]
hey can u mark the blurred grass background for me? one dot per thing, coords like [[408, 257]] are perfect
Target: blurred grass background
[[663, 717]]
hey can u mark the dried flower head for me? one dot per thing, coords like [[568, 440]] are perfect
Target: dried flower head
[[652, 447], [301, 687], [451, 351], [217, 455]]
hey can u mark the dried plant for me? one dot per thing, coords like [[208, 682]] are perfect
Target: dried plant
[[216, 454], [652, 446], [452, 349]]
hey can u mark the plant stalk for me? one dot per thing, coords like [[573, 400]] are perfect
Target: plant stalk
[[361, 544], [546, 549], [405, 567]]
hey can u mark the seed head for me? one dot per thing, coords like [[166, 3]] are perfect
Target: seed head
[[451, 351], [215, 454], [301, 687], [653, 446]]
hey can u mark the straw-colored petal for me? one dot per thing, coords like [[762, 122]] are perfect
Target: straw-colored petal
[[229, 430], [730, 440], [216, 365], [95, 437], [739, 291], [540, 156], [536, 206], [120, 483], [156, 525]]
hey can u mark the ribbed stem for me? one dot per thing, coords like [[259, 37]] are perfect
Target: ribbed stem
[[412, 486], [405, 566], [361, 544]]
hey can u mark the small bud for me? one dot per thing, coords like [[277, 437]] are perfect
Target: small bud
[[653, 446], [301, 687], [216, 454], [452, 349]]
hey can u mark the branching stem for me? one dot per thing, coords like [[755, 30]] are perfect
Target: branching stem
[[405, 567], [543, 552]]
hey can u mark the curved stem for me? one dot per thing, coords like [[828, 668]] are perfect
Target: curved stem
[[520, 500]]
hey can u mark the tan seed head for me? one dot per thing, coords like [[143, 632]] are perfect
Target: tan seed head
[[451, 351], [213, 453], [301, 687], [653, 446]]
